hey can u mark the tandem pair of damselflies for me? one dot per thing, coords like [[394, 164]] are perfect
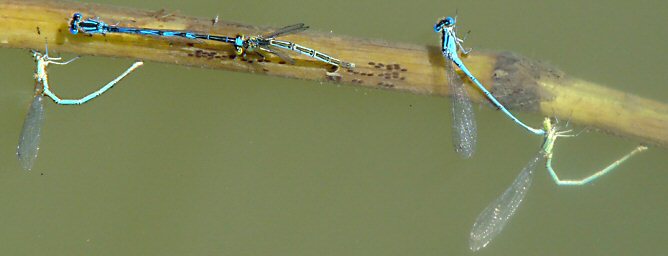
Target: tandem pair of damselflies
[[242, 44], [491, 221]]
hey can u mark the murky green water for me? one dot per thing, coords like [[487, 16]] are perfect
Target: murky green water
[[183, 161]]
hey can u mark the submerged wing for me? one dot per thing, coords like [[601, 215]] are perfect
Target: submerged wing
[[299, 27], [491, 221], [464, 131], [30, 134]]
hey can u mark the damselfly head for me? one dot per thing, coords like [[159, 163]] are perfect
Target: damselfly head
[[239, 44], [74, 23], [444, 23], [36, 54], [547, 124]]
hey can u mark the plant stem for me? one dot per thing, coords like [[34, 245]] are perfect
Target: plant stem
[[519, 83]]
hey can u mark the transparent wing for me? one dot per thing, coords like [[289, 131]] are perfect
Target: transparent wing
[[464, 130], [30, 134], [491, 221], [280, 54], [299, 27]]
